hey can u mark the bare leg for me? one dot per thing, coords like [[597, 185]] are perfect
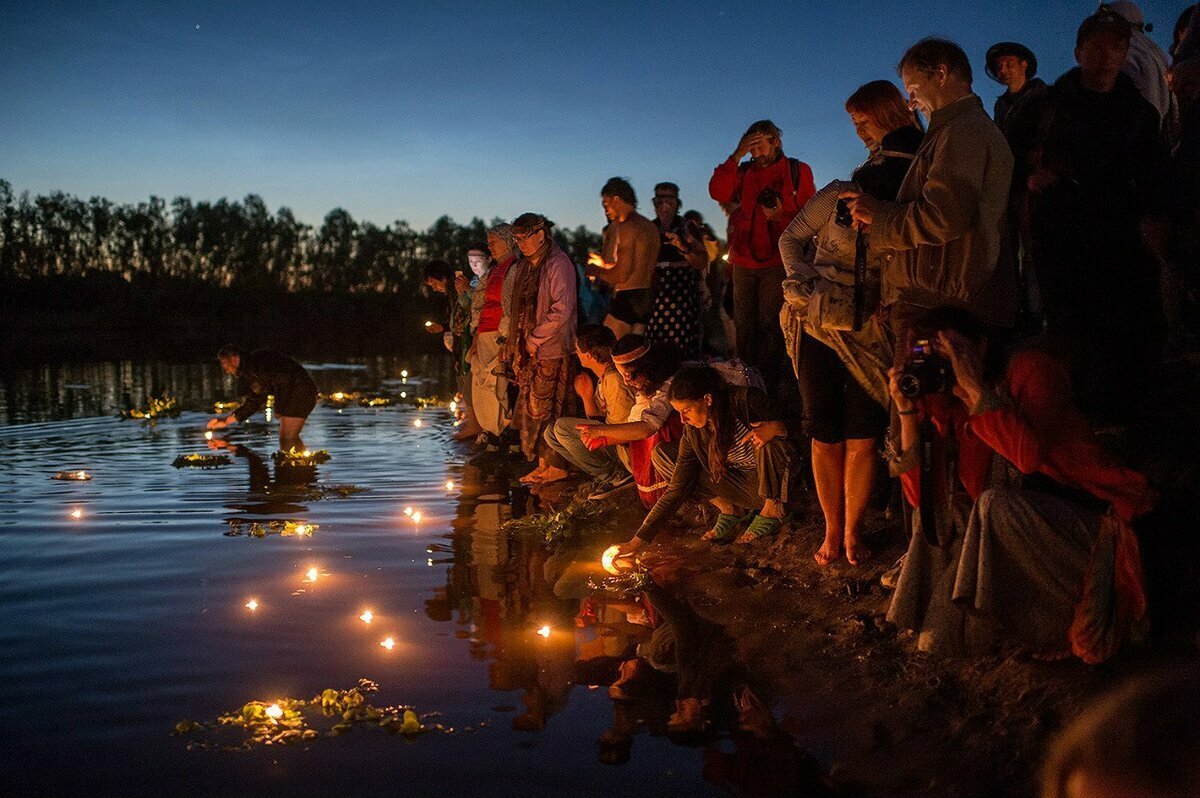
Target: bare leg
[[772, 508], [536, 474], [860, 474], [289, 432], [829, 472]]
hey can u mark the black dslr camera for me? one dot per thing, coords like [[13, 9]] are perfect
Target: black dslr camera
[[842, 216], [926, 372], [768, 197]]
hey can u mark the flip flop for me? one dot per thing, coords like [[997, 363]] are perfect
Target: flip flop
[[722, 531], [760, 528]]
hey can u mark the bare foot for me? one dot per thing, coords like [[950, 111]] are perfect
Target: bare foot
[[533, 476], [553, 474], [856, 552], [466, 434], [830, 550]]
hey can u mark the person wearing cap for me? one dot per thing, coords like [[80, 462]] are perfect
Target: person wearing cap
[[1146, 63], [1015, 67], [541, 337], [1096, 164]]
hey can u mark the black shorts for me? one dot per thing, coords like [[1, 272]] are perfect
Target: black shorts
[[297, 399], [835, 406], [632, 306]]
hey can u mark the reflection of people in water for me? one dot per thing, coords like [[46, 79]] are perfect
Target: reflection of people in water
[[264, 373], [272, 496]]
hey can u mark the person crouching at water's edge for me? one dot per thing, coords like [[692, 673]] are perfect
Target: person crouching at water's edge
[[264, 373]]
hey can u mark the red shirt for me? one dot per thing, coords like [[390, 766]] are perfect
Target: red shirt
[[493, 294], [753, 238], [1039, 432]]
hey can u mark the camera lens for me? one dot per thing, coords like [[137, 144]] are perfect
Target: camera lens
[[909, 385]]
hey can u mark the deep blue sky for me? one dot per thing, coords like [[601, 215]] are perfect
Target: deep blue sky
[[409, 110]]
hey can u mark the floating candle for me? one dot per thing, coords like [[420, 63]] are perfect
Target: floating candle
[[417, 423], [311, 574], [606, 559], [338, 395], [453, 406], [544, 631], [408, 511], [404, 394], [388, 643], [274, 712], [416, 517], [252, 605], [404, 373], [367, 616], [301, 529], [449, 484], [208, 435], [428, 324], [81, 475], [77, 513]]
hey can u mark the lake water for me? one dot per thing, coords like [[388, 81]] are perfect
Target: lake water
[[123, 605]]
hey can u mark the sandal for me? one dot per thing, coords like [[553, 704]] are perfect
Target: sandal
[[759, 528], [723, 530]]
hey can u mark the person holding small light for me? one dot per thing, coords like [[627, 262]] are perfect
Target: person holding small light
[[264, 373]]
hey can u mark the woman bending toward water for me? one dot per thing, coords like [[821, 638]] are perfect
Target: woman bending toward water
[[264, 373]]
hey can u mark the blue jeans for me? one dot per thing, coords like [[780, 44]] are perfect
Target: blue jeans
[[563, 438]]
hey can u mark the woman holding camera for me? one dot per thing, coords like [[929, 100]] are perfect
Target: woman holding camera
[[836, 348], [1028, 539]]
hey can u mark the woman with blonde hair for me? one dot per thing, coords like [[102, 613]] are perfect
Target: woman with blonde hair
[[831, 292]]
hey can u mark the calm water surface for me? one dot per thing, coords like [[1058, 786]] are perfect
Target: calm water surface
[[119, 623]]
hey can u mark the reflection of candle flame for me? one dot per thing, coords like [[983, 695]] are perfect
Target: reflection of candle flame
[[408, 511], [388, 643], [544, 631], [417, 423], [416, 517], [312, 574], [252, 605], [367, 616], [274, 712]]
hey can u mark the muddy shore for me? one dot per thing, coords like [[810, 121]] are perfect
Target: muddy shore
[[876, 716]]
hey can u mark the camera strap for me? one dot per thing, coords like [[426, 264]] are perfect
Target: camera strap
[[860, 281]]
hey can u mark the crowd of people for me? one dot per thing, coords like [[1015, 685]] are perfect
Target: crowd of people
[[937, 306], [969, 306]]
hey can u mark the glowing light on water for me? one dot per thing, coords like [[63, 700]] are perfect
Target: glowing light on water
[[416, 517], [606, 559], [301, 529], [338, 395], [367, 616], [404, 373], [429, 562], [274, 712], [449, 484], [417, 423], [404, 394], [306, 453], [388, 643], [252, 605], [544, 631], [311, 574], [428, 324], [408, 511], [208, 435], [77, 513], [453, 406]]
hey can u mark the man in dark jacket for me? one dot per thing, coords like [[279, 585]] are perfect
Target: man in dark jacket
[[264, 373], [1014, 66], [1096, 162]]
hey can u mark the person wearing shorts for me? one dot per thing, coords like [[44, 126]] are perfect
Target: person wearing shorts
[[264, 373]]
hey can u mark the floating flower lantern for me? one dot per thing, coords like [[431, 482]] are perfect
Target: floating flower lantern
[[388, 643], [72, 476], [301, 457], [200, 460], [544, 631], [367, 616], [252, 605]]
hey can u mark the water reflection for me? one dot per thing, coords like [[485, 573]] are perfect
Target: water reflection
[[80, 390]]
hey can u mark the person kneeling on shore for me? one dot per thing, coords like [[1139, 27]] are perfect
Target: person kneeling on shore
[[264, 373], [607, 401], [732, 453], [1027, 538]]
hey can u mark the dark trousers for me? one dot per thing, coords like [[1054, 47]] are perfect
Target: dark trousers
[[757, 299]]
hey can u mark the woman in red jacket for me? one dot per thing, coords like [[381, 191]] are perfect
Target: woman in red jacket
[[1029, 540]]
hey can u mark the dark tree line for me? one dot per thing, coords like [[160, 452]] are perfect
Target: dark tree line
[[228, 244]]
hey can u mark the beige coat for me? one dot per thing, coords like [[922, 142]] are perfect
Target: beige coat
[[946, 229]]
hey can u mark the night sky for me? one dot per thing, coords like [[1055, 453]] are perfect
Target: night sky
[[412, 110]]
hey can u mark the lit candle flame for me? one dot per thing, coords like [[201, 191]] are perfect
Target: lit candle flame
[[417, 423], [429, 562], [449, 484], [301, 529], [453, 406], [312, 574], [606, 559], [208, 435], [408, 511], [82, 475], [428, 324], [404, 373], [77, 513], [404, 394], [306, 453], [367, 616], [416, 517], [252, 605], [274, 712], [544, 631], [339, 395], [388, 643]]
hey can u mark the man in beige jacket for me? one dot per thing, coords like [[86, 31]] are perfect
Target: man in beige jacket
[[944, 236]]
